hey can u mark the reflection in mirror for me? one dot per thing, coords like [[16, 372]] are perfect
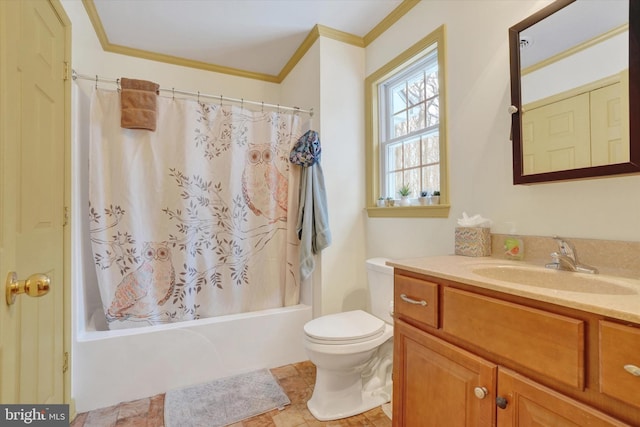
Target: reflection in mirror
[[571, 65]]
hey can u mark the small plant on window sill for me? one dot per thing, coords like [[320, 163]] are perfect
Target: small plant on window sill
[[427, 199], [405, 192], [381, 202], [389, 202], [435, 198], [424, 198]]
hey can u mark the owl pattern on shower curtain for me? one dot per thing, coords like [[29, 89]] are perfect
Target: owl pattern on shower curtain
[[264, 187], [145, 290]]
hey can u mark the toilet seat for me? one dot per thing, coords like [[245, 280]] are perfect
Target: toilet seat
[[350, 327]]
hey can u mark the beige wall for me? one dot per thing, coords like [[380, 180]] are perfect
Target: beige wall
[[478, 94], [330, 76], [341, 95], [302, 87]]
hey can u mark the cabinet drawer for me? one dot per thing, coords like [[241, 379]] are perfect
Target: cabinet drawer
[[543, 342], [620, 362], [416, 299]]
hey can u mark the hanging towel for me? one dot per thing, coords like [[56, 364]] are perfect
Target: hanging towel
[[138, 104], [307, 150], [313, 220]]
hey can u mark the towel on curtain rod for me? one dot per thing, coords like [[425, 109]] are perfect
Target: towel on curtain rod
[[138, 104]]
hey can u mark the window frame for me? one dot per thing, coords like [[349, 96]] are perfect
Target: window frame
[[396, 67]]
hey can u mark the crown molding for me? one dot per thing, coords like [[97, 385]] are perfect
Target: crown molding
[[391, 19], [316, 32], [107, 46], [577, 48]]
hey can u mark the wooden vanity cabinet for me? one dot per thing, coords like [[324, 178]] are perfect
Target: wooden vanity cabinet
[[482, 358]]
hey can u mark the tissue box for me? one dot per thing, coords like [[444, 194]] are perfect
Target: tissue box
[[473, 241]]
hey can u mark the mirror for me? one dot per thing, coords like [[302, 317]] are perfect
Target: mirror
[[575, 70]]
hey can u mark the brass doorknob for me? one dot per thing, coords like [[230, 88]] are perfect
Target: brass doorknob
[[36, 285]]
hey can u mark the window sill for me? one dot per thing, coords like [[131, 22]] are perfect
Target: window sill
[[432, 211]]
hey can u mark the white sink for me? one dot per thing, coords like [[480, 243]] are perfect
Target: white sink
[[554, 279]]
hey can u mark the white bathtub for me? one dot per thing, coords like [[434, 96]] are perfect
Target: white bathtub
[[115, 366], [108, 367]]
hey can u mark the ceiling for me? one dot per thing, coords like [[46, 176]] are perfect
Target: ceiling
[[255, 38], [571, 26]]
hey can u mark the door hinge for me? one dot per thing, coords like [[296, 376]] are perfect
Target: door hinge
[[65, 363], [65, 216], [65, 71]]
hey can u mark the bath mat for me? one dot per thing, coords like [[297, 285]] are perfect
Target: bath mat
[[224, 401]]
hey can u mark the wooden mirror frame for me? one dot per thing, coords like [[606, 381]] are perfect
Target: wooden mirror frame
[[633, 166]]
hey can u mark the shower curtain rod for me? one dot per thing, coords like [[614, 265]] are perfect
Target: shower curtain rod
[[97, 79]]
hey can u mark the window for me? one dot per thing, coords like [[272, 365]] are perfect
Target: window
[[406, 133], [409, 117]]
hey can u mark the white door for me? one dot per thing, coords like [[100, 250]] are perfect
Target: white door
[[33, 39]]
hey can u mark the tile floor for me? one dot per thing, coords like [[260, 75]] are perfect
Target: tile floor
[[297, 380]]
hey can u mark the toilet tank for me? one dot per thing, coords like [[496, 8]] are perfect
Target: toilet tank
[[380, 278]]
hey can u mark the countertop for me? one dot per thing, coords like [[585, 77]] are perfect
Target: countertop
[[618, 299]]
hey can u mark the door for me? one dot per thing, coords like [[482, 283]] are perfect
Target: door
[[610, 124], [33, 50], [556, 136], [438, 384]]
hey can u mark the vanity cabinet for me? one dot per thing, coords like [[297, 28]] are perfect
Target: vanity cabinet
[[475, 357]]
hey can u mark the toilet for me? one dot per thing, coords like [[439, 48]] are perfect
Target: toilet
[[353, 352]]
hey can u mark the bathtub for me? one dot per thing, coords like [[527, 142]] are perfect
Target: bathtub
[[122, 365], [108, 367]]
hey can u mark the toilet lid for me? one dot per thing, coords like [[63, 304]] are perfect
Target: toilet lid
[[345, 327]]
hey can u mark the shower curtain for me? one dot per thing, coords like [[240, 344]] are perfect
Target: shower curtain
[[196, 219]]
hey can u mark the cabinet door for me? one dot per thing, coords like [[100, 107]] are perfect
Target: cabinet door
[[529, 404], [435, 383]]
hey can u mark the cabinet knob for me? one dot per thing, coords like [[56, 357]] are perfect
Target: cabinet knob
[[480, 392], [632, 369], [501, 402]]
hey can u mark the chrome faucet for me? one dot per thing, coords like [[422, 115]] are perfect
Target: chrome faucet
[[567, 258]]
